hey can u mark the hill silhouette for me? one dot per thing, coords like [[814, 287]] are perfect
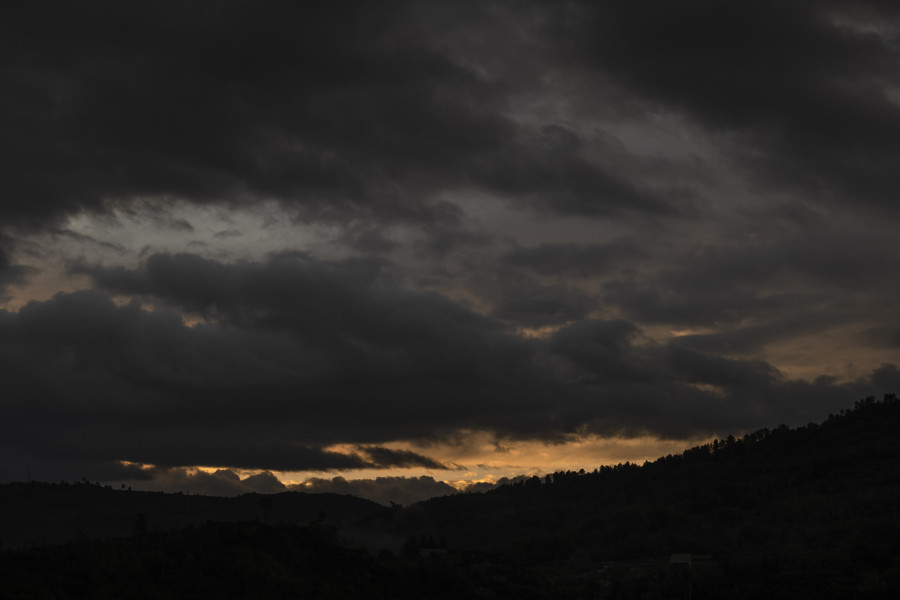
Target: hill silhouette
[[46, 513], [811, 512], [775, 513]]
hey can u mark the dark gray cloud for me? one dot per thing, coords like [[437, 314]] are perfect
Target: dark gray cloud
[[629, 386], [369, 240], [803, 86], [300, 353], [349, 333], [99, 382], [350, 315], [10, 272], [325, 107], [223, 482], [360, 112], [553, 174], [543, 285], [389, 457], [344, 113], [721, 283], [882, 336], [342, 349], [741, 157], [753, 338], [603, 349], [264, 483], [21, 464], [711, 304], [887, 377], [569, 259], [537, 305]]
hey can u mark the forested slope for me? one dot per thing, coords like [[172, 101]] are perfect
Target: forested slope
[[812, 512], [817, 507]]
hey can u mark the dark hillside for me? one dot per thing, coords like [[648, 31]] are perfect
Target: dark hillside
[[816, 507], [812, 512], [214, 560], [44, 513]]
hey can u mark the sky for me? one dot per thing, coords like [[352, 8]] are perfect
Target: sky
[[400, 248]]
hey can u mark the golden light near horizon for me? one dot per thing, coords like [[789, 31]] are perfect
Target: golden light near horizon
[[483, 458]]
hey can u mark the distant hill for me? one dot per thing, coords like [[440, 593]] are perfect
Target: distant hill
[[811, 512], [49, 513]]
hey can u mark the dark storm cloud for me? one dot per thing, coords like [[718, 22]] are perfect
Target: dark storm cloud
[[368, 240], [389, 457], [373, 341], [699, 367], [629, 388], [441, 239], [359, 339], [711, 303], [19, 464], [539, 285], [96, 382], [368, 120], [10, 272], [601, 348], [86, 239], [345, 112], [326, 107], [536, 305], [298, 353], [357, 112], [553, 174], [582, 260], [886, 377], [717, 283], [803, 86], [353, 312], [751, 339], [884, 337]]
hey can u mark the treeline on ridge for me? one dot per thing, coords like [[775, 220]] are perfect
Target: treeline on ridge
[[810, 512]]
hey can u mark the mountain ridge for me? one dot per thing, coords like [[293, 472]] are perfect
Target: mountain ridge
[[808, 512]]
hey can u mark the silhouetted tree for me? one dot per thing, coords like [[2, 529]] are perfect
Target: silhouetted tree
[[266, 502]]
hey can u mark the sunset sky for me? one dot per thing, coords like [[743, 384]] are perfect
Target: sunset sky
[[422, 244]]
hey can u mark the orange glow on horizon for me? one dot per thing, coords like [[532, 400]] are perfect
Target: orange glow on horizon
[[482, 459]]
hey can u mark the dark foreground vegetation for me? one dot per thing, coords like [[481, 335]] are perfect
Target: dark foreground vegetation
[[37, 513], [812, 512]]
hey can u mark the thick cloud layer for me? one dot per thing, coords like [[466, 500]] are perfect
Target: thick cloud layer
[[296, 354], [806, 88], [229, 103], [355, 111], [277, 229], [346, 112]]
